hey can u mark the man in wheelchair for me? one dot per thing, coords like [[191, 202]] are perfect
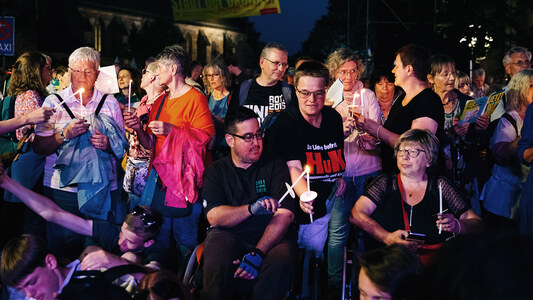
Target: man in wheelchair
[[251, 244]]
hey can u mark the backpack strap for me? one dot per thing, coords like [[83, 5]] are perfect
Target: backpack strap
[[512, 121], [243, 91], [100, 104], [287, 92], [64, 104]]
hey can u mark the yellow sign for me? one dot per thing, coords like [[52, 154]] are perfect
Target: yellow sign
[[200, 10]]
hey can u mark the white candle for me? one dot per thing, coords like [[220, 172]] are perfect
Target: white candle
[[81, 90], [129, 96], [292, 186], [362, 103], [308, 179], [81, 105], [440, 205]]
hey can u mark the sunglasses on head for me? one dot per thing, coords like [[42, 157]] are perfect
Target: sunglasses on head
[[148, 220]]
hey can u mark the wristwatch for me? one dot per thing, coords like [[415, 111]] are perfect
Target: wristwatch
[[63, 136]]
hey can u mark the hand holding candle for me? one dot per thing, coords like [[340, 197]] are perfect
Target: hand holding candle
[[308, 196]]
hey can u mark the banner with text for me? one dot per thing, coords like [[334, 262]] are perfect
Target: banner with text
[[200, 10]]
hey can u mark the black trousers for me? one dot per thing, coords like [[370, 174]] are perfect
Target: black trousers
[[275, 277]]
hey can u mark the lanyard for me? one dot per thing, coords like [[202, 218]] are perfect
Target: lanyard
[[405, 219]]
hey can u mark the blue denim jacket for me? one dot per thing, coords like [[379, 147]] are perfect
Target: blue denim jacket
[[90, 168]]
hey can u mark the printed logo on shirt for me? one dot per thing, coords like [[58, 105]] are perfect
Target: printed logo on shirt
[[326, 162], [275, 103], [260, 186]]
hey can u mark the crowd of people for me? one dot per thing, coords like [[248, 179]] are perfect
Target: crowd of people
[[253, 173]]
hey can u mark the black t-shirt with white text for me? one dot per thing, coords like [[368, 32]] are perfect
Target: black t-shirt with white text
[[319, 148], [264, 100]]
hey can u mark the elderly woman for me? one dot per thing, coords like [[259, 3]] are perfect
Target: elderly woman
[[461, 160], [418, 108], [502, 191], [395, 205], [176, 115], [218, 82], [362, 159], [138, 156]]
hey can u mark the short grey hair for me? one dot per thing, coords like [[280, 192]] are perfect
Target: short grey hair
[[517, 90], [177, 55], [152, 67], [271, 46], [427, 141], [516, 49], [478, 73], [341, 56], [85, 54]]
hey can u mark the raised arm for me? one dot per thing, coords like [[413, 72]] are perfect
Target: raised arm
[[39, 115], [46, 208]]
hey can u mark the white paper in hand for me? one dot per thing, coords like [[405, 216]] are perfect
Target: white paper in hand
[[334, 93], [107, 80]]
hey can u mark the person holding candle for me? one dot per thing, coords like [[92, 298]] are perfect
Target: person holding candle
[[180, 111], [419, 107], [395, 205], [360, 152], [61, 128], [139, 157], [242, 192], [312, 135]]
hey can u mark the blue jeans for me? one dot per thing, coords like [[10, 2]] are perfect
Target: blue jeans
[[184, 230], [339, 224]]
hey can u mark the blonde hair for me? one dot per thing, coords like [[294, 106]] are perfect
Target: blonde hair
[[517, 90]]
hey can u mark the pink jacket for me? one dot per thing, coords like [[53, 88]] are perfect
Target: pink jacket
[[180, 165]]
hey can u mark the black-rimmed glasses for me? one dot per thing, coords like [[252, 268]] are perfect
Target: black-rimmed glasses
[[316, 94], [412, 153], [249, 137]]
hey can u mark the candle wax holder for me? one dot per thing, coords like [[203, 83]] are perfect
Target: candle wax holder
[[291, 191], [308, 196]]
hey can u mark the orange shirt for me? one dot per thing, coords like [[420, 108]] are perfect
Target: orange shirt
[[190, 109]]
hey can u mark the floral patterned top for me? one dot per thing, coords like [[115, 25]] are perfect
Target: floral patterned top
[[24, 104]]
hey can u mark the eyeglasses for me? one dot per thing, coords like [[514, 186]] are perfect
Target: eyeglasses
[[212, 75], [86, 72], [148, 220], [277, 63], [447, 75], [410, 152], [523, 63], [249, 137], [343, 73], [316, 94]]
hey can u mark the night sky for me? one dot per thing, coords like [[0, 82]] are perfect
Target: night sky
[[293, 25]]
